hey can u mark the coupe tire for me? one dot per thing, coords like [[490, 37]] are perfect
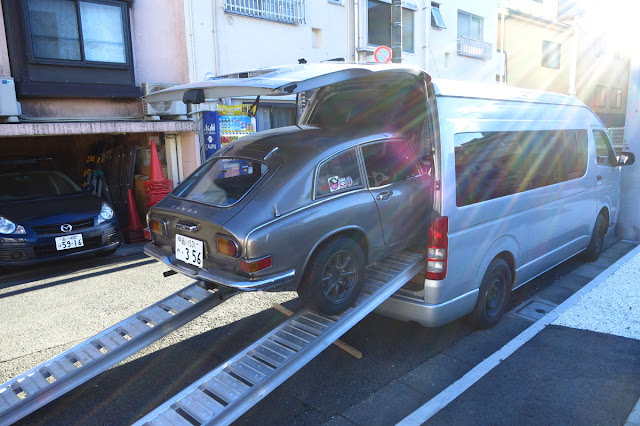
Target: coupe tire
[[594, 249], [493, 295], [334, 277]]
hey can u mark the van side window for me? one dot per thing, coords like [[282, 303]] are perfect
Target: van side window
[[496, 164], [338, 174], [604, 152], [388, 162], [577, 148]]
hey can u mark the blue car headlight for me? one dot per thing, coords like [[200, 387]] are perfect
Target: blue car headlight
[[106, 213], [8, 227]]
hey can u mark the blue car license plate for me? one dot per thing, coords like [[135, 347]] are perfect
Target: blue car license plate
[[69, 242]]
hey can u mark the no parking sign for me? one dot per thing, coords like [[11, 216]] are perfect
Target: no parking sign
[[382, 54]]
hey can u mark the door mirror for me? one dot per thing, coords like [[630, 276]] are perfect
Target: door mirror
[[626, 159]]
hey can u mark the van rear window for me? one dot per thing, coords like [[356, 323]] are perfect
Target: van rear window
[[221, 182], [496, 164]]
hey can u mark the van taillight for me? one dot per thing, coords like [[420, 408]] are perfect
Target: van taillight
[[437, 246]]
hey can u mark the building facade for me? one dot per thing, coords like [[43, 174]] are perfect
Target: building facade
[[72, 75], [73, 71], [552, 45]]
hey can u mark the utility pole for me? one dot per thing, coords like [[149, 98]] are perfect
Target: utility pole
[[396, 31]]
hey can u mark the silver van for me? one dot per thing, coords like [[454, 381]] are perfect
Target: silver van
[[515, 182]]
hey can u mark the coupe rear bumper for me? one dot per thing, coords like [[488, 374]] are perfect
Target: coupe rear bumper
[[220, 277]]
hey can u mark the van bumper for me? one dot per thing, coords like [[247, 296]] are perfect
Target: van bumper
[[408, 309]]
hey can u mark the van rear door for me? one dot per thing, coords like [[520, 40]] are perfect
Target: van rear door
[[278, 81]]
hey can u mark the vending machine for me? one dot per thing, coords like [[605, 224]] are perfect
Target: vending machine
[[224, 125]]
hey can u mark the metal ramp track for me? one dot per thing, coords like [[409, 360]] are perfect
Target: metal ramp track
[[51, 379], [234, 387]]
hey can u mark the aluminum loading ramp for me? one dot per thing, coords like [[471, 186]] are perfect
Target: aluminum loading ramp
[[51, 379], [234, 387]]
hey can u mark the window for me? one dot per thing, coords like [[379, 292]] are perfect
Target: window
[[470, 26], [287, 11], [576, 141], [617, 98], [605, 154], [388, 162], [496, 164], [379, 25], [221, 182], [338, 174], [550, 54], [71, 48], [600, 97], [58, 31], [436, 16], [270, 116]]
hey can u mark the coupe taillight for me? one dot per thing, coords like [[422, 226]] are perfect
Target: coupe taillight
[[437, 247], [158, 226], [227, 246], [255, 265]]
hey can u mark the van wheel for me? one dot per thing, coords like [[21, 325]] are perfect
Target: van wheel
[[334, 277], [493, 295], [594, 249]]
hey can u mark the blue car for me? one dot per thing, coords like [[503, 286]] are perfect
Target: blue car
[[45, 216]]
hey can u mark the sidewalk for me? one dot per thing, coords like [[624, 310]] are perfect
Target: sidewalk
[[578, 364]]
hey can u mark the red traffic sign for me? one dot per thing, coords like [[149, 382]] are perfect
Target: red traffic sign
[[382, 54]]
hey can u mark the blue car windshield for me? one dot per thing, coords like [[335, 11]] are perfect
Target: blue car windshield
[[221, 182], [25, 185]]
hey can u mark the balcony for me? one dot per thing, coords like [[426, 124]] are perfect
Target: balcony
[[474, 48], [286, 11]]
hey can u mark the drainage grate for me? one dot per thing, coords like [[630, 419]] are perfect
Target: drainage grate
[[534, 309]]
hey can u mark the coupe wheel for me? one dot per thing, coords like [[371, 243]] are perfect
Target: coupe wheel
[[334, 277]]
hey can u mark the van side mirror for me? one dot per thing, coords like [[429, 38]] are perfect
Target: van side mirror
[[626, 159]]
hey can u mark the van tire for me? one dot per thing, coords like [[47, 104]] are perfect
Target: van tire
[[334, 277], [493, 295], [594, 249]]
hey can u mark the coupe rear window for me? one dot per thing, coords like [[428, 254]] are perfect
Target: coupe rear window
[[35, 184], [221, 182]]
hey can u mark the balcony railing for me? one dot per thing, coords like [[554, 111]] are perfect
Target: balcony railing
[[287, 11], [474, 48]]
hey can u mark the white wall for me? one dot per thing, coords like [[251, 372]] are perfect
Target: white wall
[[444, 62], [629, 218], [225, 43]]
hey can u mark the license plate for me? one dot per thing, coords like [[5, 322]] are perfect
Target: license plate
[[189, 250], [69, 242]]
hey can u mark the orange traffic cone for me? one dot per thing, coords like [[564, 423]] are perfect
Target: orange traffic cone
[[156, 166], [135, 230]]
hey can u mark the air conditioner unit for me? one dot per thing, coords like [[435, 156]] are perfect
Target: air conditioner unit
[[164, 107], [9, 106]]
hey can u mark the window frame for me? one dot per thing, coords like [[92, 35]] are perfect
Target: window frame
[[412, 163], [611, 160], [437, 21], [50, 77], [406, 7], [471, 18], [316, 175], [549, 49], [524, 152], [617, 103]]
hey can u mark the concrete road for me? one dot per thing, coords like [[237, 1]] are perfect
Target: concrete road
[[48, 310]]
